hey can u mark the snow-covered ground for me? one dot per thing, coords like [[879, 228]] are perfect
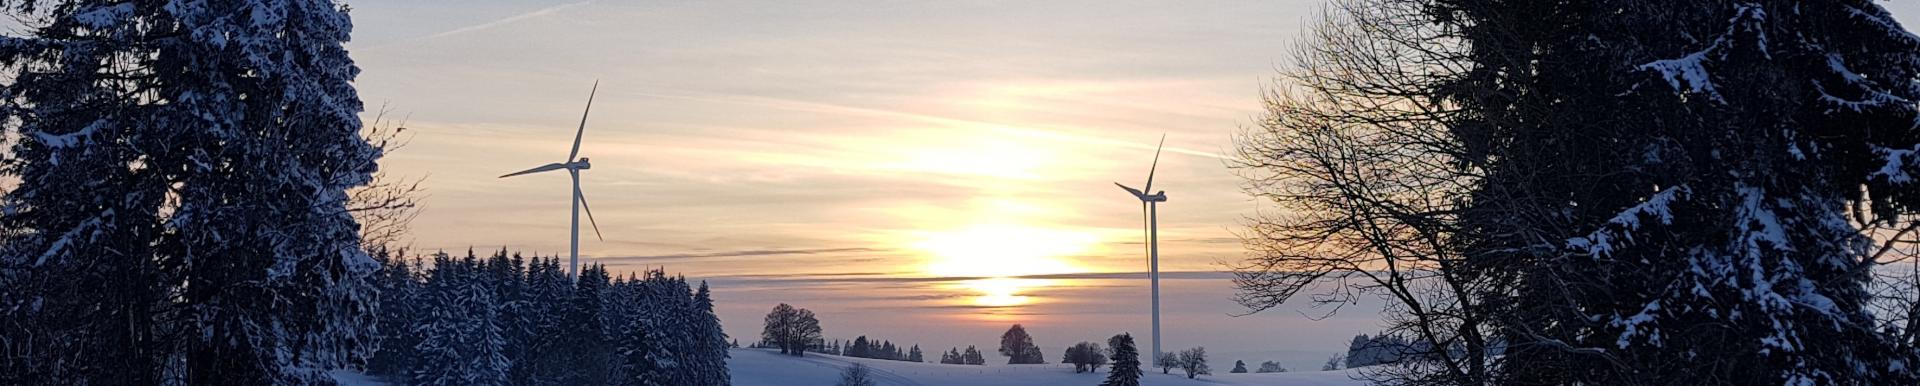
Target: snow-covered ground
[[755, 367], [351, 378]]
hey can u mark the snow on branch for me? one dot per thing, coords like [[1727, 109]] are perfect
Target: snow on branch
[[1874, 94], [69, 139], [1880, 17], [1659, 206], [66, 239], [103, 17], [1633, 326], [1689, 72], [1898, 162]]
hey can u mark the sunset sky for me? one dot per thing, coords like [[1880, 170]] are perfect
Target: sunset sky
[[879, 162]]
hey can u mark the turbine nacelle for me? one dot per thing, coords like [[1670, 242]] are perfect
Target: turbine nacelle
[[1160, 196]]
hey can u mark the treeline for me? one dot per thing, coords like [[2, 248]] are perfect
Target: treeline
[[508, 320], [1386, 348], [860, 347], [956, 357]]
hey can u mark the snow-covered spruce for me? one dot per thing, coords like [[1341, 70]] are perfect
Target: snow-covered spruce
[[1688, 193], [183, 168]]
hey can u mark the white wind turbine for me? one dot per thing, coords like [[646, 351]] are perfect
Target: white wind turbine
[[1150, 218], [573, 167]]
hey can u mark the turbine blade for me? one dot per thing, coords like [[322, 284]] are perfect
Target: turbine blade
[[1156, 162], [583, 122], [1146, 239], [1136, 192], [589, 208], [541, 168]]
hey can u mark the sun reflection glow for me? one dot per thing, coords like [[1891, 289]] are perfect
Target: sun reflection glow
[[1003, 250], [999, 254], [1004, 292]]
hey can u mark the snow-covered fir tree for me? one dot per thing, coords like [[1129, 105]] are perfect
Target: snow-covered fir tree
[[399, 290], [548, 291], [587, 352], [1684, 193], [709, 341], [461, 342], [1125, 370], [183, 172]]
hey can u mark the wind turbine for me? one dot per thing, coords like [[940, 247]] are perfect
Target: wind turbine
[[573, 167], [1150, 219]]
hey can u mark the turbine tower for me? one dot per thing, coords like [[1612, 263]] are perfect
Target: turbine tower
[[573, 167], [1150, 219]]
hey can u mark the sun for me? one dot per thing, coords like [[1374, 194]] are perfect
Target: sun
[[1003, 292], [1003, 250]]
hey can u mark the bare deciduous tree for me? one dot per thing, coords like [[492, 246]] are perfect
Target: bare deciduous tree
[[1357, 153], [386, 207]]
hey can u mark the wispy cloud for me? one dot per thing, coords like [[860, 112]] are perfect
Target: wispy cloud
[[742, 253], [508, 20], [1054, 134], [875, 278]]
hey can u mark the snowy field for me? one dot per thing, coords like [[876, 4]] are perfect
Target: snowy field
[[755, 367]]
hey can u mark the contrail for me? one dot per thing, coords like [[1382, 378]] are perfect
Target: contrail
[[1035, 132], [508, 20]]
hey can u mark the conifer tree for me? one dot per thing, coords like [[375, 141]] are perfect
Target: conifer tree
[[182, 172], [587, 355], [547, 350], [952, 357], [460, 343], [399, 291], [859, 348], [710, 342], [1709, 177], [1125, 370], [974, 357]]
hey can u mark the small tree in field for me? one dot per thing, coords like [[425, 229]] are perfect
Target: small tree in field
[[1239, 367], [1194, 362], [1167, 362], [1270, 367], [856, 375], [1019, 347], [791, 329], [1086, 357]]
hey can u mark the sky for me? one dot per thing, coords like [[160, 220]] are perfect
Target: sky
[[928, 173]]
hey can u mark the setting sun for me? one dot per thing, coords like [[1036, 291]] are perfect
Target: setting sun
[[1003, 250], [1003, 292]]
